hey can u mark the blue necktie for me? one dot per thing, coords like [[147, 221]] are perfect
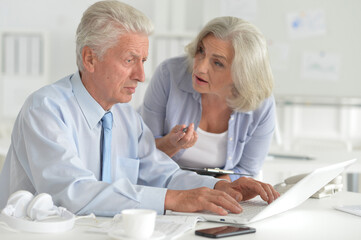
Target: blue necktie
[[107, 122]]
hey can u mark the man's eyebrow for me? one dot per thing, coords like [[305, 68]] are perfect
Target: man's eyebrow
[[133, 54], [138, 56]]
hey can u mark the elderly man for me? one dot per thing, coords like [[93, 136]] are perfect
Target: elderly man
[[78, 139]]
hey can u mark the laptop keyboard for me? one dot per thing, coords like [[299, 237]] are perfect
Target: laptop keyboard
[[250, 208]]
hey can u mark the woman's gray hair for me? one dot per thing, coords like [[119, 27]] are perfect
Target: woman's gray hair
[[251, 70], [103, 23]]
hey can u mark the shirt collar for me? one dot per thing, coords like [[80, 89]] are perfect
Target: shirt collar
[[91, 109]]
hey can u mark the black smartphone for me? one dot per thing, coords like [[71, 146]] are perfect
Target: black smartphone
[[224, 231]]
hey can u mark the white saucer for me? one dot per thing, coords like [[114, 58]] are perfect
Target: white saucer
[[119, 234]]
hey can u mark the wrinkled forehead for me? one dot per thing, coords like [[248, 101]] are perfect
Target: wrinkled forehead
[[135, 44]]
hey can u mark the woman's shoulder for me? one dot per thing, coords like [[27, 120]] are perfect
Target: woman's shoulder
[[266, 106], [268, 102], [176, 62], [175, 68]]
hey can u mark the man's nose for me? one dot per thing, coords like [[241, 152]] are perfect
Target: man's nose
[[138, 72]]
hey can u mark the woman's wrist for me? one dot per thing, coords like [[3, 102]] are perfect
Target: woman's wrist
[[165, 146]]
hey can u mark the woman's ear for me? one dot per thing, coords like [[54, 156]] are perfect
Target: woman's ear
[[89, 58]]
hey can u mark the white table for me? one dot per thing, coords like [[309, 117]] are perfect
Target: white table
[[277, 169], [314, 219]]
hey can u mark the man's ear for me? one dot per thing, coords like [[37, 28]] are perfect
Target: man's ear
[[89, 58]]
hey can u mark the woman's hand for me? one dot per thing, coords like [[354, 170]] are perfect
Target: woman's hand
[[177, 139]]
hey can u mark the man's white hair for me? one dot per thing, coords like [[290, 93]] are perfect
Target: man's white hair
[[104, 22]]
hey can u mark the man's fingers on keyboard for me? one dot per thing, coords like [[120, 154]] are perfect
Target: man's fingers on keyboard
[[227, 202]]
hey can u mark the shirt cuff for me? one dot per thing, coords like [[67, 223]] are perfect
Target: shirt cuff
[[153, 198], [234, 177], [210, 184]]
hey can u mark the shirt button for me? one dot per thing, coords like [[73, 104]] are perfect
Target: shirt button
[[232, 118], [230, 139], [229, 158]]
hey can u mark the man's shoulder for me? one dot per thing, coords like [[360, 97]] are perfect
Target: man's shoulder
[[55, 92]]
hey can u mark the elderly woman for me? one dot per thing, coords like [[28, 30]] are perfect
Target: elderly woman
[[214, 108]]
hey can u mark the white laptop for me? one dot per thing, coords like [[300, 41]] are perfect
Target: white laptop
[[255, 210]]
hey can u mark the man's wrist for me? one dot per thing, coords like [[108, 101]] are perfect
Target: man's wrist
[[170, 199]]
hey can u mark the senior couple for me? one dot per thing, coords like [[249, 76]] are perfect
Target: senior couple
[[212, 107]]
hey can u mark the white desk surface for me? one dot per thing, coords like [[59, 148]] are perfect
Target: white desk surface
[[320, 159], [275, 170], [314, 219]]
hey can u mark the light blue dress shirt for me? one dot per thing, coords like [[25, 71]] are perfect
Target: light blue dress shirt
[[55, 148], [171, 100]]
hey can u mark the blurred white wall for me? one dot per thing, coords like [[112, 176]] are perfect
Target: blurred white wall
[[176, 22], [59, 19]]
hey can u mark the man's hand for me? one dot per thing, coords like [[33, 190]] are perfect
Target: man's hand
[[177, 139], [201, 199], [247, 188], [223, 198]]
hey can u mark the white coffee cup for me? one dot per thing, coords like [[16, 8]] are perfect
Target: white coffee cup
[[138, 223]]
